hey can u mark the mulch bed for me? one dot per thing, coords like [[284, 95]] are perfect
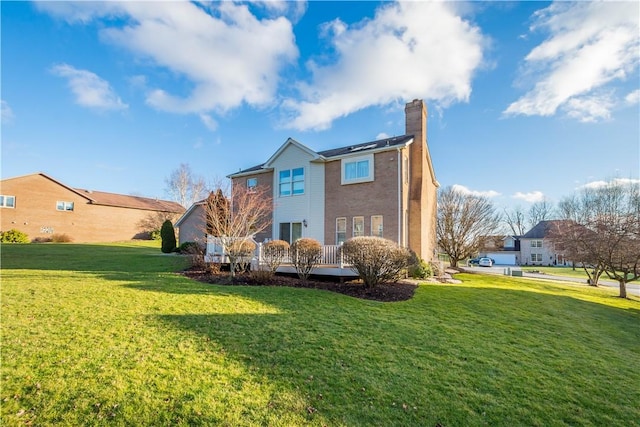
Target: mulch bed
[[386, 292]]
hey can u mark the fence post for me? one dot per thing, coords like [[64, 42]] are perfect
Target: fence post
[[340, 255]]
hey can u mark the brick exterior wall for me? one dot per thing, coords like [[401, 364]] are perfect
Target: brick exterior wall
[[265, 179], [35, 213], [378, 197]]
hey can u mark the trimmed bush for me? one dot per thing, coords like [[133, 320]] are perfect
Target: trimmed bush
[[61, 238], [13, 236], [376, 260], [168, 235], [274, 252], [306, 254]]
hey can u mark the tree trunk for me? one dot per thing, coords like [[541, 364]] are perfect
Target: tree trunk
[[623, 288]]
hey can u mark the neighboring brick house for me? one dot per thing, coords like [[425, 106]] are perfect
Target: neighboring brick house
[[40, 206], [537, 247], [381, 188]]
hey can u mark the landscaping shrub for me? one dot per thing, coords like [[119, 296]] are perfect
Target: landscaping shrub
[[155, 235], [168, 235], [274, 252], [13, 236], [61, 238], [418, 268], [376, 260], [306, 253], [42, 240]]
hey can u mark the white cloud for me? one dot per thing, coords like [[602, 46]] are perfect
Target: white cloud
[[590, 45], [616, 181], [531, 197], [7, 113], [464, 190], [89, 89], [633, 98], [408, 50], [209, 122], [227, 55], [382, 135]]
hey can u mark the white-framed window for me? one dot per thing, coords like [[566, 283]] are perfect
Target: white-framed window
[[7, 201], [376, 225], [536, 257], [341, 230], [291, 182], [252, 183], [536, 243], [64, 206], [357, 169], [358, 226]]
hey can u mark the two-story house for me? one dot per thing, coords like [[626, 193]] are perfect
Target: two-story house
[[537, 246], [383, 188]]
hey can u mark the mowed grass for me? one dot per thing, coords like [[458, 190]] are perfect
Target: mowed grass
[[110, 335]]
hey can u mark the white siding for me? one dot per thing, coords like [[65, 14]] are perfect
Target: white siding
[[297, 208]]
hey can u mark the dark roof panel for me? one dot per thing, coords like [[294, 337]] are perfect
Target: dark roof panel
[[367, 146]]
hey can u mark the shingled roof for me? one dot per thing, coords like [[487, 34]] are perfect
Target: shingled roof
[[543, 229], [377, 145], [133, 202]]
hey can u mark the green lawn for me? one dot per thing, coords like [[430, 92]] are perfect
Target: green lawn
[[109, 335], [561, 271]]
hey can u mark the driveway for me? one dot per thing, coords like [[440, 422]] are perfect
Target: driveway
[[633, 288]]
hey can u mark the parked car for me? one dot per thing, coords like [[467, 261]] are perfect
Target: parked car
[[473, 261], [485, 262]]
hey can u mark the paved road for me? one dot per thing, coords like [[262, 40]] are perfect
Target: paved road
[[632, 288]]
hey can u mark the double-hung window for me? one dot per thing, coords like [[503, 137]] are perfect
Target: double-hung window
[[358, 226], [291, 182], [357, 169], [252, 183], [536, 243], [341, 230], [376, 225], [7, 201]]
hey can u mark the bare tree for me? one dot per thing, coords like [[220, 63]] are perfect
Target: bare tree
[[515, 219], [234, 220], [152, 222], [540, 211], [463, 221], [609, 237], [184, 187]]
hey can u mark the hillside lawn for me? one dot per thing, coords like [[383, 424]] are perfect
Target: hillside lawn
[[111, 335]]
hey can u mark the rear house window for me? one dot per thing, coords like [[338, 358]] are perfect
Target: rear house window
[[64, 206]]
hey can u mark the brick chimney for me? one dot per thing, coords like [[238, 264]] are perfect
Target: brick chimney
[[422, 183]]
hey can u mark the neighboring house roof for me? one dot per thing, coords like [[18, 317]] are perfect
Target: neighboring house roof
[[116, 200], [133, 202], [365, 147], [543, 229]]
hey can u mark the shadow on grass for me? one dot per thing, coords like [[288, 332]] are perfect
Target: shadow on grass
[[453, 355]]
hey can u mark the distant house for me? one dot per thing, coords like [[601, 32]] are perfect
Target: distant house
[[383, 188], [191, 224], [40, 206], [537, 247], [504, 250]]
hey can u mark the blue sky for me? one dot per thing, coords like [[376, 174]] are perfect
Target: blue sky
[[527, 100]]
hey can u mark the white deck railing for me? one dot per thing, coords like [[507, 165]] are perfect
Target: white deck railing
[[331, 255]]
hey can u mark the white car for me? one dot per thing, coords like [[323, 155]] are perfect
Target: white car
[[485, 262]]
